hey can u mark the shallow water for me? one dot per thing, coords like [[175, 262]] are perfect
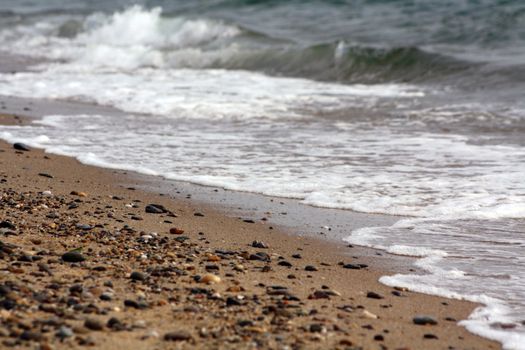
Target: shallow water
[[418, 116]]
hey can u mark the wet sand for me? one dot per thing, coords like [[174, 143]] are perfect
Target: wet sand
[[196, 275]]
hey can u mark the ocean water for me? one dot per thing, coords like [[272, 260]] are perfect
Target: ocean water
[[413, 109]]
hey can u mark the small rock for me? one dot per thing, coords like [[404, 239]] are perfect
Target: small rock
[[210, 278], [259, 244], [260, 256], [317, 328], [297, 256], [351, 267], [368, 314], [424, 320], [176, 231], [178, 336], [19, 146], [379, 337], [373, 295], [285, 263], [319, 294], [94, 325], [155, 209], [310, 268], [430, 336], [45, 175], [64, 332], [73, 256], [138, 276], [29, 335]]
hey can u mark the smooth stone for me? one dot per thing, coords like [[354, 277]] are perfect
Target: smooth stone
[[73, 256], [178, 336], [284, 263], [310, 268], [19, 146], [259, 244], [260, 256], [351, 267], [64, 332], [373, 295], [155, 209], [316, 328], [424, 320], [138, 276], [94, 325], [210, 278]]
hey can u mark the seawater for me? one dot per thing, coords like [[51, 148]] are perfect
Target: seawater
[[413, 110]]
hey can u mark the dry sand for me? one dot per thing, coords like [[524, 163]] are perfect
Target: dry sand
[[50, 205]]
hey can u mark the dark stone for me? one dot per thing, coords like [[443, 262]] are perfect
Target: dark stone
[[19, 146], [259, 244], [178, 336], [316, 328], [84, 227], [352, 266], [245, 323], [73, 256], [93, 324], [319, 294], [249, 221], [8, 225], [373, 295], [230, 301], [310, 268], [76, 289], [138, 276], [115, 324], [297, 256], [379, 337], [260, 256], [424, 320], [284, 263], [430, 336], [28, 335], [45, 175], [198, 214], [212, 267], [155, 209]]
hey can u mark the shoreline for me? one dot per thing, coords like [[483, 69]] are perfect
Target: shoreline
[[339, 320]]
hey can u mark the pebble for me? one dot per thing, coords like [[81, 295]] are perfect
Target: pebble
[[351, 267], [373, 295], [49, 176], [424, 320], [94, 325], [178, 336], [19, 146], [64, 332], [259, 244], [310, 268], [260, 256], [138, 276], [430, 336], [155, 209], [368, 314], [73, 256], [210, 278], [285, 263], [176, 231], [317, 328]]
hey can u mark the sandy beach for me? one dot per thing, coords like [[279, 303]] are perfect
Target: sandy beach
[[88, 258]]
